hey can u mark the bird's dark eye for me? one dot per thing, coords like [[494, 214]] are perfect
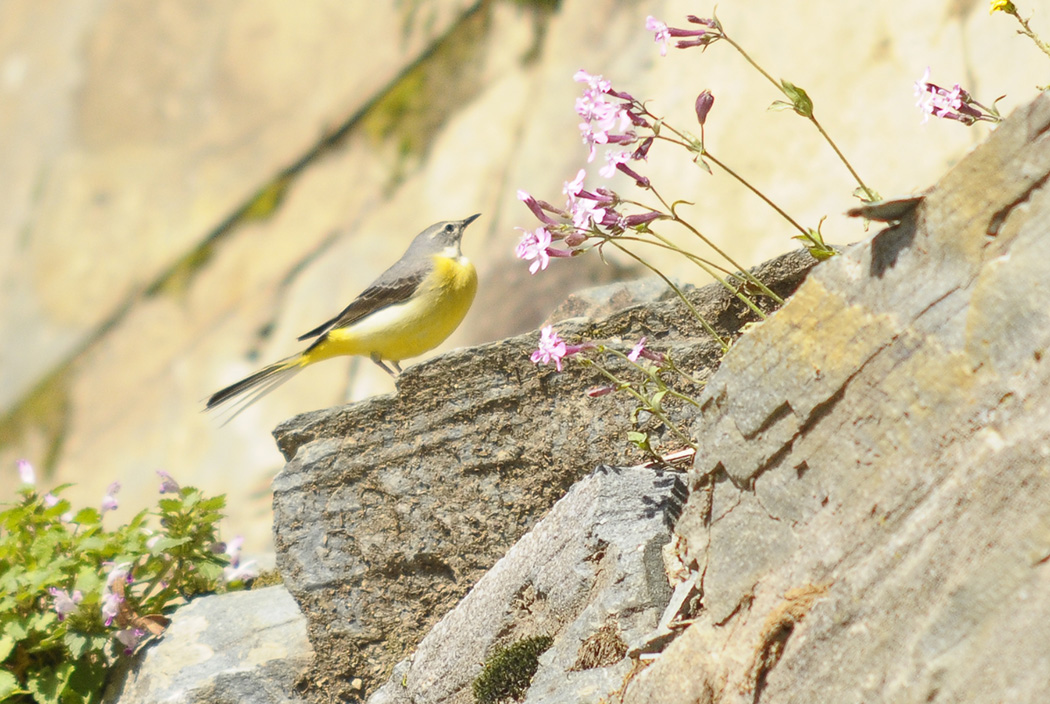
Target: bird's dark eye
[[449, 228]]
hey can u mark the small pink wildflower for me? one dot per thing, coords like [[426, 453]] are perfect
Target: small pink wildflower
[[640, 350], [109, 501], [26, 472], [65, 603], [551, 348], [661, 35]]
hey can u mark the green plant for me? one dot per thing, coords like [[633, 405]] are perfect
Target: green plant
[[507, 673], [75, 597]]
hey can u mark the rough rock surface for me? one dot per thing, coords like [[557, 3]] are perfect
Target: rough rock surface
[[238, 647], [870, 512], [389, 510], [590, 575], [871, 504], [134, 134]]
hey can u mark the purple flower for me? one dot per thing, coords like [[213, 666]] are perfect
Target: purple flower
[[533, 247], [551, 348], [598, 391], [235, 571], [704, 101], [641, 219], [661, 34], [640, 181], [26, 472], [585, 212], [612, 161], [167, 484], [109, 501], [50, 500], [601, 117], [110, 606], [111, 600], [65, 603], [537, 207], [642, 152], [954, 104], [640, 350], [129, 638]]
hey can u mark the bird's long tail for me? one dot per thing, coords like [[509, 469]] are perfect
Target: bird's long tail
[[252, 388]]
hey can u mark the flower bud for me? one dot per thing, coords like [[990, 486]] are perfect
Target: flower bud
[[704, 101]]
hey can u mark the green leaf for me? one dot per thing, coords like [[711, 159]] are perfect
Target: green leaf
[[16, 630], [77, 644], [164, 544], [8, 685], [800, 100], [7, 644], [47, 684], [641, 440], [87, 516]]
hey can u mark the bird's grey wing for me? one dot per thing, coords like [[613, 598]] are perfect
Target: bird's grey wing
[[392, 287]]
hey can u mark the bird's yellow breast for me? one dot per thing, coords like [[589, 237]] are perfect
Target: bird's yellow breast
[[411, 328]]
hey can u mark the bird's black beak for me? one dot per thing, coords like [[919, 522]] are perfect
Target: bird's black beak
[[471, 219]]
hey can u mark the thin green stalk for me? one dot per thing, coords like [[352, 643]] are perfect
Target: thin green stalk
[[648, 371], [623, 386], [743, 272], [812, 118], [703, 264], [692, 309]]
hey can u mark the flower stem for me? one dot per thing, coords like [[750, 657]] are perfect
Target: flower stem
[[870, 193], [708, 267], [692, 309], [1027, 31], [622, 385]]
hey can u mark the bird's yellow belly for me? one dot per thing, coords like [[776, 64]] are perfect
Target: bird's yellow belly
[[411, 328]]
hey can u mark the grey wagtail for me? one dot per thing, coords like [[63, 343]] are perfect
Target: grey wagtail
[[410, 309]]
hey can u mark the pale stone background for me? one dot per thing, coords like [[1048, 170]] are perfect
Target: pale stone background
[[132, 133]]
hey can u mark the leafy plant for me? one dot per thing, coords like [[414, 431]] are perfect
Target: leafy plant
[[75, 597]]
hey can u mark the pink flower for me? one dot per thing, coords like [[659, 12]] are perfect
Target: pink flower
[[661, 35], [129, 638], [109, 501], [26, 472], [585, 212], [167, 484], [110, 606], [613, 160], [235, 571], [573, 188], [601, 116], [537, 207], [640, 350], [954, 104], [533, 247], [65, 603], [551, 348]]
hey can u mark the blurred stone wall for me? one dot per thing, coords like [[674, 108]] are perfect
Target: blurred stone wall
[[188, 186]]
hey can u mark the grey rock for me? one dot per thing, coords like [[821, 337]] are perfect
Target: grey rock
[[239, 647], [590, 568], [870, 515], [389, 510]]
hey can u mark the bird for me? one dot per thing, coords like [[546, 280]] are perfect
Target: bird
[[410, 309]]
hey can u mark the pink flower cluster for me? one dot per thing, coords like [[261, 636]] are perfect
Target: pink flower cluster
[[955, 104]]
